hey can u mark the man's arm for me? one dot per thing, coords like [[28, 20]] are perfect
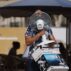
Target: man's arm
[[29, 39], [52, 37]]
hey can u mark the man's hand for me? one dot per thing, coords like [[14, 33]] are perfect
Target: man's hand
[[29, 40], [41, 33]]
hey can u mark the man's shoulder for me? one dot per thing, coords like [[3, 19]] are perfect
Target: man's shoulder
[[30, 31]]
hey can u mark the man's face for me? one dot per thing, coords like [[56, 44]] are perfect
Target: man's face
[[40, 24]]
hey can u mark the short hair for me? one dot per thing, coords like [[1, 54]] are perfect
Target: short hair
[[16, 44]]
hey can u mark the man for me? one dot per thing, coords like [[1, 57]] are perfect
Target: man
[[12, 56], [33, 35]]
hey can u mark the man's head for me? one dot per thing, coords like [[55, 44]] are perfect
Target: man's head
[[40, 24], [16, 44]]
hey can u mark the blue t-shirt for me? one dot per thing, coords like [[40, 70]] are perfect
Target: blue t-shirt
[[32, 32]]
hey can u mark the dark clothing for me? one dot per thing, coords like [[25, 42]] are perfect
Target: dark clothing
[[11, 60], [31, 65]]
